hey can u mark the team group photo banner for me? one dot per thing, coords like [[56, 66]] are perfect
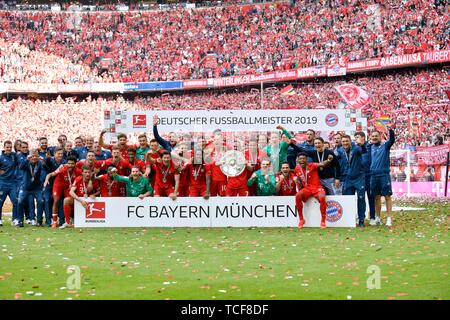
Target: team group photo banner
[[225, 120], [214, 212]]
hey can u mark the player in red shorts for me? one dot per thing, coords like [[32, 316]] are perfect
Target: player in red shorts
[[122, 143], [65, 175], [167, 175], [237, 186], [199, 174], [218, 178], [82, 188], [286, 181], [108, 186], [308, 177]]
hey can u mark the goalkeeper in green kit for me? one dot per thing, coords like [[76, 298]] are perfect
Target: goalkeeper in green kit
[[137, 185], [265, 181]]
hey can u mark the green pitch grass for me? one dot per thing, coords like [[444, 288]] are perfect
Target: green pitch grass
[[230, 263]]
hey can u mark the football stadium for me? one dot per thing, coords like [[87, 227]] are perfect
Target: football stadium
[[224, 150]]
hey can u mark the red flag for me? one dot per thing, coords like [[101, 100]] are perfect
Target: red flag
[[288, 91], [355, 96]]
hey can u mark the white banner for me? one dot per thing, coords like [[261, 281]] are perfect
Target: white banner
[[336, 70], [274, 211], [107, 87], [4, 87], [226, 120]]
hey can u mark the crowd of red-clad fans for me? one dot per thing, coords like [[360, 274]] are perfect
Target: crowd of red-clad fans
[[415, 100], [212, 42]]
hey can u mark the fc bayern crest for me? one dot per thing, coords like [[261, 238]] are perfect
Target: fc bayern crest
[[331, 120], [334, 211]]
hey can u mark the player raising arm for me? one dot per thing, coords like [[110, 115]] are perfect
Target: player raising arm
[[286, 181]]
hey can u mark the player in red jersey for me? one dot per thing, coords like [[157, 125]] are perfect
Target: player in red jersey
[[82, 188], [122, 143], [155, 154], [108, 186], [308, 178], [65, 175], [155, 151], [133, 162], [94, 165], [117, 161], [286, 181], [237, 186], [120, 164], [181, 157], [199, 174], [167, 175], [218, 178]]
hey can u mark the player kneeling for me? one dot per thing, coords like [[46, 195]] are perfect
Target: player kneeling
[[308, 177], [83, 187]]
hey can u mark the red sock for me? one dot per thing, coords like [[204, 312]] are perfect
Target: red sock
[[67, 213], [323, 208], [299, 205]]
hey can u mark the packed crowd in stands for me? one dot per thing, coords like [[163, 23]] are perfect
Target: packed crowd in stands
[[399, 95], [19, 64], [174, 44]]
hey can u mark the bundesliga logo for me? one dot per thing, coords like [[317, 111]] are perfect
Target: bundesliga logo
[[95, 210], [139, 121], [331, 120], [334, 211]]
